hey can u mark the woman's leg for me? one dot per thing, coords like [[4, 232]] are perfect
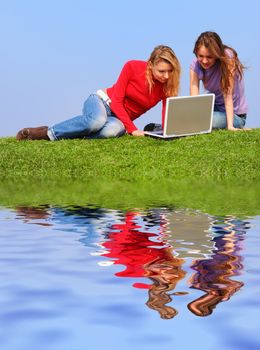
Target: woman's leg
[[112, 128], [220, 121], [96, 121], [93, 118]]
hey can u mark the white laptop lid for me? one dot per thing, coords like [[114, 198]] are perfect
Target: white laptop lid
[[188, 115]]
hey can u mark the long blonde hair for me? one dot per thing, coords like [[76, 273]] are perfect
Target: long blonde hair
[[228, 65], [166, 54]]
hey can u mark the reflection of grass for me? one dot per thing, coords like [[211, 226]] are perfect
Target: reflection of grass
[[220, 155], [238, 198]]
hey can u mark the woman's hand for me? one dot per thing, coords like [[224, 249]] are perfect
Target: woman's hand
[[138, 133], [231, 128], [237, 129]]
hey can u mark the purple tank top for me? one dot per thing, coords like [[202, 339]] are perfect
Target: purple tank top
[[211, 83]]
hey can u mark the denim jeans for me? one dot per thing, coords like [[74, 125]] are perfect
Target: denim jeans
[[97, 121], [220, 121]]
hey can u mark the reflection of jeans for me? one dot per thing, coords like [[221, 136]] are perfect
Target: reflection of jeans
[[97, 121], [220, 121]]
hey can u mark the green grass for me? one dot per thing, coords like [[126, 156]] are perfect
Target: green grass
[[216, 156], [217, 173]]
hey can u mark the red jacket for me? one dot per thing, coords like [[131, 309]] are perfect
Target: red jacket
[[130, 96]]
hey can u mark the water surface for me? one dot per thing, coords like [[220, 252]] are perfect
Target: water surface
[[84, 277]]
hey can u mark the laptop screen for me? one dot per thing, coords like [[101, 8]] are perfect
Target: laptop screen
[[189, 114]]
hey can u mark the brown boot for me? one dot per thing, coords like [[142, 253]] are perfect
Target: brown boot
[[39, 133]]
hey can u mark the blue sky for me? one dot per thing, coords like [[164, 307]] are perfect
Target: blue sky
[[54, 53]]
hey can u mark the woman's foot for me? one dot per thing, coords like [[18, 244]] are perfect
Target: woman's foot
[[39, 133]]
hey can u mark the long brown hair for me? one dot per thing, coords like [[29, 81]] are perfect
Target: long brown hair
[[166, 54], [229, 66]]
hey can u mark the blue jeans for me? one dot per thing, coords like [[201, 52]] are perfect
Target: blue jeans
[[97, 121], [220, 121]]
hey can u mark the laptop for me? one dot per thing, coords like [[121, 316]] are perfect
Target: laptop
[[186, 115]]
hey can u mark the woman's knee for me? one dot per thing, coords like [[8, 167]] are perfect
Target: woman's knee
[[239, 122], [219, 120], [112, 129], [96, 122]]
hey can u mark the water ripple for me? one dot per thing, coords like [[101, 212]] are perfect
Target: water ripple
[[80, 277]]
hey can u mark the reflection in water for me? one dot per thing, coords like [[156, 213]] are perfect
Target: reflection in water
[[31, 213], [213, 276], [189, 233], [144, 254], [156, 244]]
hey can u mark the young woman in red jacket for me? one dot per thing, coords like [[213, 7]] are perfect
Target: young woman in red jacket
[[111, 112]]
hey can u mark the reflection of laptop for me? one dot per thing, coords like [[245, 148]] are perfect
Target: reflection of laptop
[[186, 115]]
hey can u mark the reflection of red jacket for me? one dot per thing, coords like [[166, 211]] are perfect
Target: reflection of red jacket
[[130, 247]]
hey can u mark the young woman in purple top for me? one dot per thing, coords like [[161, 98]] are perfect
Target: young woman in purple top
[[221, 72]]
